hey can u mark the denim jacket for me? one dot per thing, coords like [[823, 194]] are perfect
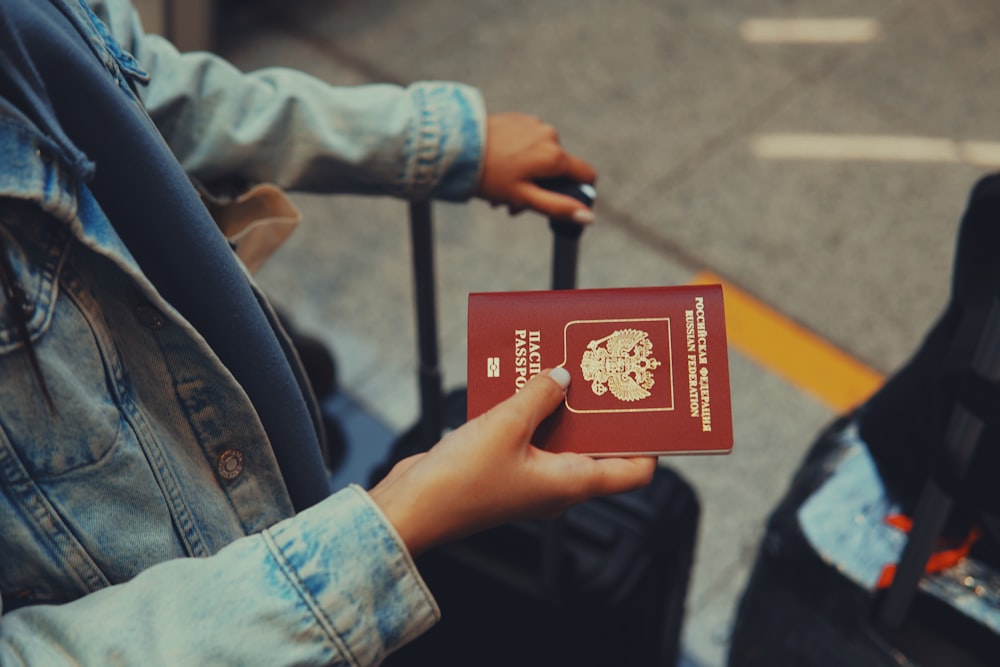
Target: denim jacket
[[281, 126], [144, 520]]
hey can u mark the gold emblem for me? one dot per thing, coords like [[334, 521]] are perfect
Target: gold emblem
[[622, 363]]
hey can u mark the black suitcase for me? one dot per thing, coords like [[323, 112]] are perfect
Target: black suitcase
[[604, 585], [799, 610], [933, 433]]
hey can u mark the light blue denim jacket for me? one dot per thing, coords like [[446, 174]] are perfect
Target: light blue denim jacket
[[281, 126], [145, 520]]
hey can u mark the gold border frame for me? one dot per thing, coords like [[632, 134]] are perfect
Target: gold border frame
[[670, 346]]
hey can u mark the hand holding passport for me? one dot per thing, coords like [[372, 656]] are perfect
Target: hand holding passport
[[649, 366]]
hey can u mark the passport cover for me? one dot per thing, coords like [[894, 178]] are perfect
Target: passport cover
[[649, 366]]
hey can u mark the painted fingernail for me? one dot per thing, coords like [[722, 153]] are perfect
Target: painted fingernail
[[560, 375], [583, 216]]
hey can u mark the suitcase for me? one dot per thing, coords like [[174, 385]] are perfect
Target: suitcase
[[800, 610], [932, 436], [603, 585]]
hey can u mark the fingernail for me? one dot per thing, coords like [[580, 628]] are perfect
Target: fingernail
[[583, 216], [560, 375]]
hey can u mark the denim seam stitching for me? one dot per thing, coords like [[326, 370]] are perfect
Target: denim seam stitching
[[291, 575]]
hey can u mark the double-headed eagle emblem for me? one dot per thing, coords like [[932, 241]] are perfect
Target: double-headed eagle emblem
[[622, 363]]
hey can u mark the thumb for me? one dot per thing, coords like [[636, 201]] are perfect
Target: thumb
[[541, 395]]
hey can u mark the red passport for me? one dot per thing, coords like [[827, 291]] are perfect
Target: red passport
[[649, 366]]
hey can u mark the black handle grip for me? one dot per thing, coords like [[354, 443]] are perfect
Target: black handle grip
[[567, 233], [584, 193]]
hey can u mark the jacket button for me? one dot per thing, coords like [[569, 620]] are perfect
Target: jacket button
[[149, 317], [230, 464]]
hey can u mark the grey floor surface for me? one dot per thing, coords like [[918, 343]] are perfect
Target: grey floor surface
[[667, 99]]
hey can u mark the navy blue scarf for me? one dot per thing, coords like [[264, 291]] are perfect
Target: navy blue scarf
[[50, 72]]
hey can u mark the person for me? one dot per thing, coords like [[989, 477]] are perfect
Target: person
[[162, 498]]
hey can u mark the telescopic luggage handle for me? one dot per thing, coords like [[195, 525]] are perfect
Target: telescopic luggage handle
[[431, 424], [566, 234], [566, 239], [565, 257]]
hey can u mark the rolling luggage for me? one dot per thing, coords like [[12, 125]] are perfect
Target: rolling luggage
[[921, 456], [603, 585]]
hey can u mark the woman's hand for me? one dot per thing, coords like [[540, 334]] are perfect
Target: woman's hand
[[487, 473], [521, 149]]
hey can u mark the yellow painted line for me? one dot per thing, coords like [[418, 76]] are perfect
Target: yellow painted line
[[810, 31], [800, 357], [874, 148]]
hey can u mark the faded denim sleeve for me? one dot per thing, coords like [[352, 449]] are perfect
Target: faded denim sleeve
[[330, 586], [282, 126]]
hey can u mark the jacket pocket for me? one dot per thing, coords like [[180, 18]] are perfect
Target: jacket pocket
[[84, 421], [35, 250]]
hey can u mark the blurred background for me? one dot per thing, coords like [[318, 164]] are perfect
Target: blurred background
[[815, 156]]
